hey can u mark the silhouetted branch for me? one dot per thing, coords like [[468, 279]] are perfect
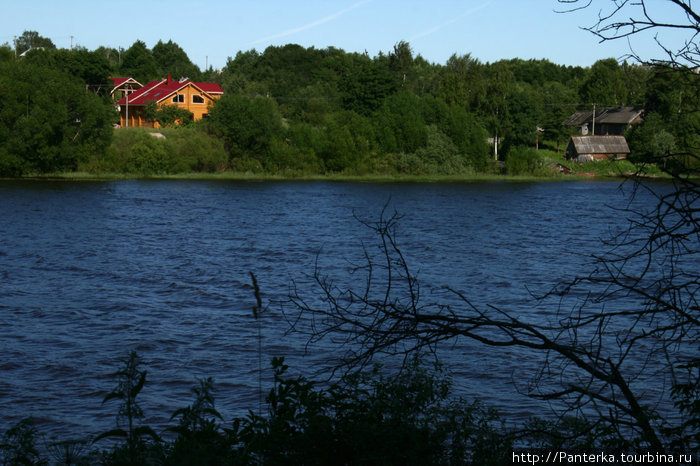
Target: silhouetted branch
[[594, 353], [622, 19]]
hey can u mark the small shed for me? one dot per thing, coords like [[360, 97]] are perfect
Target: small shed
[[589, 148]]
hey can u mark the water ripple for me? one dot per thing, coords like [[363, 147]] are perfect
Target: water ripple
[[92, 270]]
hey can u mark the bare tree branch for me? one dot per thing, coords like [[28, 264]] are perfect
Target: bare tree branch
[[596, 357], [623, 19]]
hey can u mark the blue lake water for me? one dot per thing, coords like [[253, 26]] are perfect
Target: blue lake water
[[90, 271]]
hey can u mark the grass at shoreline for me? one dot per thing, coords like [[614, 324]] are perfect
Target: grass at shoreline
[[257, 177]]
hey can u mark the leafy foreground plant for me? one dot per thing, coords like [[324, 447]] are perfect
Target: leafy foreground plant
[[140, 440], [408, 417], [19, 445], [369, 418]]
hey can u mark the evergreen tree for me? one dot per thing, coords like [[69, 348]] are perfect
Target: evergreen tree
[[171, 59], [32, 40], [138, 62]]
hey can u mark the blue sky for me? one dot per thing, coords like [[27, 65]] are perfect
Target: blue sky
[[212, 31]]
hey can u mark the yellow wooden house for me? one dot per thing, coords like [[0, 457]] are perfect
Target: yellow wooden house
[[194, 97]]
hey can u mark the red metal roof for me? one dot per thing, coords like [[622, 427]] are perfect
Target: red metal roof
[[210, 88], [119, 81], [161, 90]]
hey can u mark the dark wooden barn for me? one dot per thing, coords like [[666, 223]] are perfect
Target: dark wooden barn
[[590, 148]]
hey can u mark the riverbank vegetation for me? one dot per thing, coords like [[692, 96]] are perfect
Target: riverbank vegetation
[[291, 111], [301, 111], [409, 417]]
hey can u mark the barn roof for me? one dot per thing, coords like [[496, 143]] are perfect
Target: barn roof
[[621, 115], [578, 118], [600, 144], [611, 115]]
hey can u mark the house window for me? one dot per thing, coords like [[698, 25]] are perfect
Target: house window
[[197, 99], [179, 99]]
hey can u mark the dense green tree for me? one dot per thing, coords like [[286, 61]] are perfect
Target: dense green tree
[[238, 72], [652, 140], [635, 78], [349, 138], [314, 103], [32, 40], [172, 59], [247, 125], [675, 97], [400, 124], [493, 104], [559, 103], [7, 53], [285, 69], [401, 63], [365, 84], [138, 62], [48, 122], [468, 135], [536, 72], [435, 110], [462, 127], [91, 67], [462, 81], [525, 115], [426, 77], [113, 57], [604, 84]]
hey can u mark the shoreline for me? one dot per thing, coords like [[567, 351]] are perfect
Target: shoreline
[[253, 177]]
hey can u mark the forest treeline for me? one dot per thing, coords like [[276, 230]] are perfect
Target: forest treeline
[[295, 110]]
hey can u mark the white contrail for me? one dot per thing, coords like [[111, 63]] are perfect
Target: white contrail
[[312, 25], [447, 23]]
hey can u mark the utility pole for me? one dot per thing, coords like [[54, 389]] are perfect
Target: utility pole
[[71, 43], [15, 42], [593, 131]]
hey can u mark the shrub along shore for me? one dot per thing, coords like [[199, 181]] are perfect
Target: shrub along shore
[[190, 154], [371, 417]]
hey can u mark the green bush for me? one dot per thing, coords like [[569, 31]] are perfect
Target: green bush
[[19, 445], [377, 417], [372, 418], [10, 164], [148, 156], [526, 161], [138, 151], [401, 417], [192, 150], [290, 160], [247, 126], [246, 165], [48, 123], [441, 156]]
